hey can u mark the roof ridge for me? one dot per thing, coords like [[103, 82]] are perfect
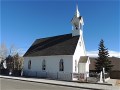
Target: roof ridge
[[54, 36]]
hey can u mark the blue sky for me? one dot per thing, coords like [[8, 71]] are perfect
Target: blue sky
[[23, 21]]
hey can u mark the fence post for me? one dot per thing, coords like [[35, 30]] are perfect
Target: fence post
[[46, 74], [57, 75], [36, 73]]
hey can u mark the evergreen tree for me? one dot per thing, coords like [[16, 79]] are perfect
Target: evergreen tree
[[103, 58]]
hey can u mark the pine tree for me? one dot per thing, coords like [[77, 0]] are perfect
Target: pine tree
[[103, 58]]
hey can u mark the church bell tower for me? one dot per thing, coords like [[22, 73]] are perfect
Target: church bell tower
[[77, 23]]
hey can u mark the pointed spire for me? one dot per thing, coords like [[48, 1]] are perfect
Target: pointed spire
[[77, 11]]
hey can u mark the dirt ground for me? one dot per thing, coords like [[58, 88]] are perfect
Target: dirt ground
[[118, 82]]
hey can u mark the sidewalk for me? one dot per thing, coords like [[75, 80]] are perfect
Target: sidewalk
[[66, 83]]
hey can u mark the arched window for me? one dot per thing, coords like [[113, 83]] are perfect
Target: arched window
[[61, 65], [75, 65], [80, 43], [43, 65], [29, 64]]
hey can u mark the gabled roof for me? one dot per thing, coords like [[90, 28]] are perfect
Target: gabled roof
[[57, 45], [83, 59]]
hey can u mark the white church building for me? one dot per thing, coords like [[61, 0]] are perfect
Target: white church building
[[60, 57]]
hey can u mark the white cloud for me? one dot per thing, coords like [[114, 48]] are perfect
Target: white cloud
[[92, 53], [114, 53], [111, 53], [21, 51]]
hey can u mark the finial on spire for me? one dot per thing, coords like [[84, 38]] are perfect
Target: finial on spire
[[77, 11]]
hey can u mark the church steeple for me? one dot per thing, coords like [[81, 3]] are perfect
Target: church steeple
[[77, 23], [77, 11]]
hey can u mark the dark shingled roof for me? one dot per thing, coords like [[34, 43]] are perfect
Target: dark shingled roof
[[83, 59], [57, 45]]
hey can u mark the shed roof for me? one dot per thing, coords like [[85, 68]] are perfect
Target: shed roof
[[83, 59]]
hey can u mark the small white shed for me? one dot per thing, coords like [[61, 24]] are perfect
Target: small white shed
[[83, 67]]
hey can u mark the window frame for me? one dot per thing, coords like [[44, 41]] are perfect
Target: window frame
[[75, 65], [29, 64], [61, 65], [44, 65]]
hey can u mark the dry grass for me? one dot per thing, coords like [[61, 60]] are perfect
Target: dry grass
[[118, 82]]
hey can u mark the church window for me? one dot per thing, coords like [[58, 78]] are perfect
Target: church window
[[80, 43], [76, 28], [43, 65], [80, 26], [29, 64], [61, 65], [75, 65]]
